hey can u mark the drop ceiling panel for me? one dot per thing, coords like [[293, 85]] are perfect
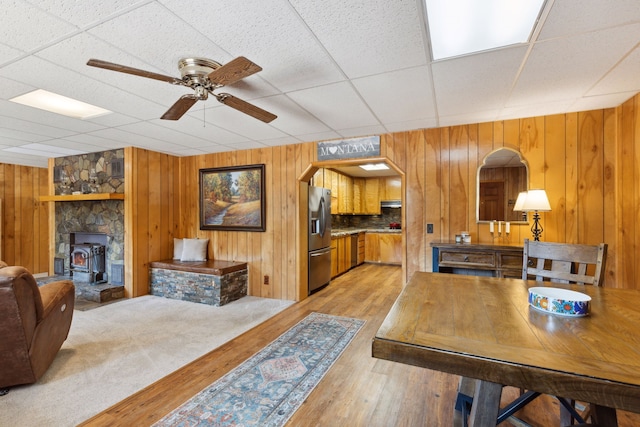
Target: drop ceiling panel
[[202, 127], [367, 37], [85, 12], [292, 119], [74, 53], [65, 82], [45, 118], [622, 78], [242, 124], [593, 15], [27, 27], [162, 48], [399, 95], [564, 69], [268, 32], [476, 82], [337, 105]]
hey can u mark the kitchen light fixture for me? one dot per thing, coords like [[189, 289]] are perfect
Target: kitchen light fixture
[[59, 104], [536, 201], [460, 27], [374, 167]]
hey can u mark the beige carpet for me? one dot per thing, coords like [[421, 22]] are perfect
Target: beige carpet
[[117, 349]]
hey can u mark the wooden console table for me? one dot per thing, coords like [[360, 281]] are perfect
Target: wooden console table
[[480, 259]]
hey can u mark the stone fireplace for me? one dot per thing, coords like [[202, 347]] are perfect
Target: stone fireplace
[[99, 222]]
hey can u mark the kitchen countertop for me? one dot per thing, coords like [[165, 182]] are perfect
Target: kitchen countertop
[[349, 231]]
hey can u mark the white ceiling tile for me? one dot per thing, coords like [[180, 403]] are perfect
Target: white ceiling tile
[[8, 53], [412, 125], [564, 68], [533, 110], [232, 120], [292, 119], [249, 145], [600, 101], [625, 76], [337, 105], [593, 15], [175, 40], [362, 131], [400, 95], [20, 135], [322, 136], [85, 12], [476, 82], [367, 36], [268, 32], [25, 27], [23, 159], [203, 128], [287, 140]]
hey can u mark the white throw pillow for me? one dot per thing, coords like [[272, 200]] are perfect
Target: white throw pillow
[[177, 248], [194, 250]]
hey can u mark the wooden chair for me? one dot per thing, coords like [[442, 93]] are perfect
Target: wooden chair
[[566, 263]]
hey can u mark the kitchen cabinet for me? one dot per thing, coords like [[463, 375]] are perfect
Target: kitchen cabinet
[[341, 261], [361, 246], [383, 248], [360, 196], [334, 257]]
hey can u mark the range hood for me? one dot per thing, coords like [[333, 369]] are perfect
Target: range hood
[[391, 203]]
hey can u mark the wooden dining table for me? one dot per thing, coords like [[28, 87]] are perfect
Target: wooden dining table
[[483, 328]]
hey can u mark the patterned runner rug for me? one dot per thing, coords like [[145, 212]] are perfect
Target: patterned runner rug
[[271, 385]]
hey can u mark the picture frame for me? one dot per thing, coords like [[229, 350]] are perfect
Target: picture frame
[[232, 198]]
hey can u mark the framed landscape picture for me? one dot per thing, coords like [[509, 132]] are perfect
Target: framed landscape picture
[[232, 198]]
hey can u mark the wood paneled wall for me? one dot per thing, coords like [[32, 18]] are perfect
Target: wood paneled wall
[[151, 214], [25, 223], [588, 162], [275, 252]]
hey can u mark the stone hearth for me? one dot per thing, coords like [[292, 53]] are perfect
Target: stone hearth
[[100, 293]]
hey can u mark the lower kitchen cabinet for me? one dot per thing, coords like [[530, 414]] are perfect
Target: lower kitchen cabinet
[[383, 248]]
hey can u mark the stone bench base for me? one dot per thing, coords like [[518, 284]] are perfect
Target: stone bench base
[[214, 282]]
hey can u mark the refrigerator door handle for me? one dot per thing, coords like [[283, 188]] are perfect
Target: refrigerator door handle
[[322, 217]]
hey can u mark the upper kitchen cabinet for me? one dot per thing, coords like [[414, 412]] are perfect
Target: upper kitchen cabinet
[[357, 195]]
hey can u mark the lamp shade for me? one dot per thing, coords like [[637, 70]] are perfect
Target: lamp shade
[[520, 201], [536, 200]]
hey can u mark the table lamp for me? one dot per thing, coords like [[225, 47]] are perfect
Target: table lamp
[[520, 203], [536, 201]]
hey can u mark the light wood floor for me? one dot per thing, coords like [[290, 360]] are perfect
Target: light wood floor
[[358, 390]]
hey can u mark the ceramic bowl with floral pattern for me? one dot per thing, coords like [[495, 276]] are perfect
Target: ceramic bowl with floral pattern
[[559, 301]]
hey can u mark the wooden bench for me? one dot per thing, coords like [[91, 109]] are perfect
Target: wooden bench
[[215, 282]]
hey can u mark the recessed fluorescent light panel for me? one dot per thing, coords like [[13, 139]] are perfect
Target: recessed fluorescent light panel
[[44, 150], [376, 167], [461, 27], [59, 104]]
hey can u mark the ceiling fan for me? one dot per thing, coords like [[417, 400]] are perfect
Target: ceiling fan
[[203, 76]]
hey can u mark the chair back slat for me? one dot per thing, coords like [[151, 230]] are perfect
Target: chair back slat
[[564, 263]]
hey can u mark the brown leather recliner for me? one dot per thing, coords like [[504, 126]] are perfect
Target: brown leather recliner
[[34, 322]]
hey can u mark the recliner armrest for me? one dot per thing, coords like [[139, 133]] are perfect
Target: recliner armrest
[[54, 292]]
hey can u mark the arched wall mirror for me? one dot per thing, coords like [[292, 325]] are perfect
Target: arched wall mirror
[[502, 175]]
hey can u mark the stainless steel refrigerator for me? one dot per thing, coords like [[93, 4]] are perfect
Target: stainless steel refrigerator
[[319, 238]]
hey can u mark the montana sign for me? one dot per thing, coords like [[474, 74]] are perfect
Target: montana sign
[[353, 148]]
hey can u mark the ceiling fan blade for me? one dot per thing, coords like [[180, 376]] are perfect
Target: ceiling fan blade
[[233, 71], [130, 70], [181, 106], [245, 107]]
